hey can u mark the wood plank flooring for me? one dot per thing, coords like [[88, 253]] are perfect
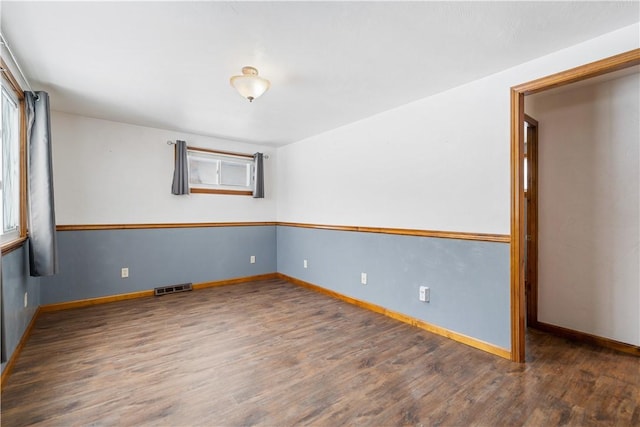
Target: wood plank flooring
[[271, 353]]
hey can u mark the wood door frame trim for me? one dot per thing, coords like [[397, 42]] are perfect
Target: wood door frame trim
[[532, 221], [19, 93], [518, 92]]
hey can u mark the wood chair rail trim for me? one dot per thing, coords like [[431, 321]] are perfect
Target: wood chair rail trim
[[484, 237], [501, 238], [90, 227]]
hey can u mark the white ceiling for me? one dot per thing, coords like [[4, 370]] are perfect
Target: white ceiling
[[167, 64]]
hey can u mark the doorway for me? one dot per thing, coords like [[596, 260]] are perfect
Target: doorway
[[518, 213]]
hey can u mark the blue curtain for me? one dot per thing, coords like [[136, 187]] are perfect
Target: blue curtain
[[43, 253], [258, 186], [181, 171]]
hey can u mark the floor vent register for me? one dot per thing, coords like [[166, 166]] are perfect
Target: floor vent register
[[172, 289]]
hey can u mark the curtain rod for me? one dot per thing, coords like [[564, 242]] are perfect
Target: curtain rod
[[4, 43], [266, 156]]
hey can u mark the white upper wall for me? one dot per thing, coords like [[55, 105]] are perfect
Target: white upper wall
[[441, 163], [589, 201], [112, 173]]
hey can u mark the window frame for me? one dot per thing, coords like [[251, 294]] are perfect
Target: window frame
[[10, 83], [222, 154]]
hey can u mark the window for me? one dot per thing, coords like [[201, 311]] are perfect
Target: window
[[11, 188], [220, 172]]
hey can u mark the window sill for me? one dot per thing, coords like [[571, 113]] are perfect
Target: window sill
[[228, 192], [12, 245]]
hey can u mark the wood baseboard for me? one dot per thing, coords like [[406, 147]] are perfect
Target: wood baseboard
[[472, 342], [236, 281], [573, 335], [14, 356], [94, 301], [149, 293]]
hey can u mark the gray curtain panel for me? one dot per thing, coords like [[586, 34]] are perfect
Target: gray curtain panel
[[181, 171], [43, 253], [258, 186]]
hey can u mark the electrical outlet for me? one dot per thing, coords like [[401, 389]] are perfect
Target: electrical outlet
[[252, 260], [124, 273], [424, 294], [363, 278], [304, 263], [26, 299]]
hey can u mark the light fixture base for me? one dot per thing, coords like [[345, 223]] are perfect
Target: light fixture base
[[249, 71], [250, 85]]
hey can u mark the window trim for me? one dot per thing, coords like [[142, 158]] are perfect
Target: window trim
[[199, 190], [12, 83]]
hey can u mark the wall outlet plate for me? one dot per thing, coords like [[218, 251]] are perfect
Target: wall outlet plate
[[363, 278], [124, 273], [424, 294], [304, 263], [252, 260]]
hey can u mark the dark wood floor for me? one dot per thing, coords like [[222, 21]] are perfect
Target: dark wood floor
[[271, 353]]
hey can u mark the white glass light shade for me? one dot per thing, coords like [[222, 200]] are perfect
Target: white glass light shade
[[249, 84]]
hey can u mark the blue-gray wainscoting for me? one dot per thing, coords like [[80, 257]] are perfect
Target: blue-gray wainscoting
[[91, 260], [15, 282], [469, 280]]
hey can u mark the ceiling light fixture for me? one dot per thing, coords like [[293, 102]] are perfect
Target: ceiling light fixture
[[249, 84]]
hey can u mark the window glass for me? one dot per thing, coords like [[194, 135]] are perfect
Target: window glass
[[217, 171], [235, 173], [203, 169], [10, 159]]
